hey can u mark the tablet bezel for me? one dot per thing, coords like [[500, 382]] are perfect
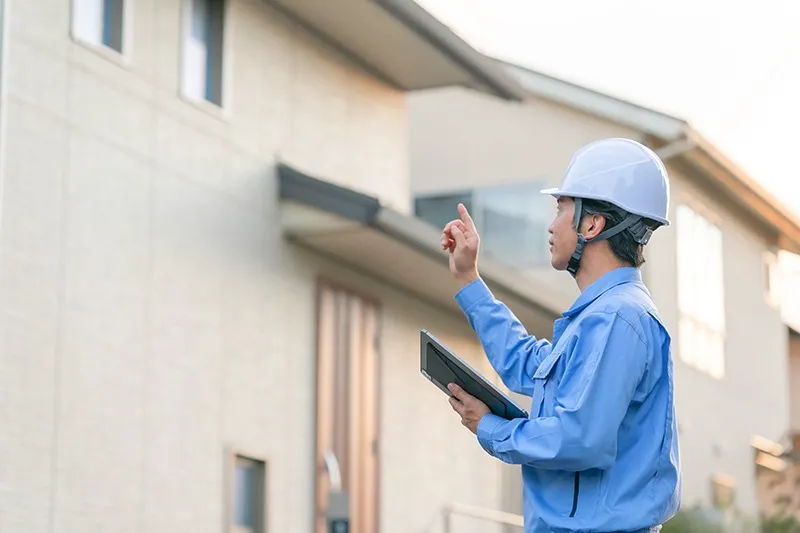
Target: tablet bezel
[[427, 338]]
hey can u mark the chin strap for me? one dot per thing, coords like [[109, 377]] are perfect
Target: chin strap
[[575, 260], [633, 223]]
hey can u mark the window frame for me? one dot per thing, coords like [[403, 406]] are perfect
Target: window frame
[[233, 455], [121, 57], [223, 110], [719, 333]]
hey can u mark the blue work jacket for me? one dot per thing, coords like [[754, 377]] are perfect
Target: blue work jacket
[[600, 450]]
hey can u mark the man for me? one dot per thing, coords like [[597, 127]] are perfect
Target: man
[[600, 450]]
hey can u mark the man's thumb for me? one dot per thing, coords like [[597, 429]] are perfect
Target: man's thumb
[[458, 236]]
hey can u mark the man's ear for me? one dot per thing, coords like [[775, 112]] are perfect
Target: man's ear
[[592, 226]]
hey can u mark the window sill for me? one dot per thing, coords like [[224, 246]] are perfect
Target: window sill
[[105, 52], [221, 113]]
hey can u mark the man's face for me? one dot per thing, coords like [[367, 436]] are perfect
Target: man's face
[[563, 238]]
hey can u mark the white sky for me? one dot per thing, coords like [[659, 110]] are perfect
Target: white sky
[[730, 68]]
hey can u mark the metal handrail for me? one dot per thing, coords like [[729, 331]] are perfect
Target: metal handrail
[[481, 513]]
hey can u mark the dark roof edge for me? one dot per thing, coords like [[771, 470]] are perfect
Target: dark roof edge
[[327, 196]]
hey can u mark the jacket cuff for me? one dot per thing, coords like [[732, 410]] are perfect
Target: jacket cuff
[[486, 428], [473, 293]]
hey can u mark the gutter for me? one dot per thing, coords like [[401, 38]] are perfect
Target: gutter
[[677, 147]]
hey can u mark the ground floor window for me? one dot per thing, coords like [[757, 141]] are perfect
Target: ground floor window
[[247, 496]]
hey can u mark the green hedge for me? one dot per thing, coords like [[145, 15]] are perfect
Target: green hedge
[[699, 520]]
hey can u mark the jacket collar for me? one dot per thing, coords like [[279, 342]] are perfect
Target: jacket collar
[[608, 281]]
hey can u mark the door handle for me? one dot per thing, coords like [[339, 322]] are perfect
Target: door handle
[[334, 472]]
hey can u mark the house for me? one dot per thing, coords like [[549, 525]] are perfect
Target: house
[[713, 272], [778, 473], [211, 280]]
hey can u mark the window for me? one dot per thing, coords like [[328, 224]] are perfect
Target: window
[[512, 219], [203, 51], [515, 219], [772, 280], [439, 210], [701, 304], [99, 22], [789, 268], [248, 490]]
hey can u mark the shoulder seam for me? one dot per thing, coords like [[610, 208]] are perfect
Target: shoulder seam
[[628, 322]]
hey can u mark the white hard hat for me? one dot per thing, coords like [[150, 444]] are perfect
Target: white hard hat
[[622, 172]]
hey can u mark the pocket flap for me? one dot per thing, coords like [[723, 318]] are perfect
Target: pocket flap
[[546, 366]]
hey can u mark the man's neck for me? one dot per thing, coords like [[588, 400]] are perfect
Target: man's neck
[[592, 270]]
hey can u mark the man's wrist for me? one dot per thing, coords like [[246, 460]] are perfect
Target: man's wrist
[[466, 279]]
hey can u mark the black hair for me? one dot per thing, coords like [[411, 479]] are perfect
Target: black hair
[[623, 244]]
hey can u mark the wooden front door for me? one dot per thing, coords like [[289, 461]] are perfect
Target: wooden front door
[[348, 403]]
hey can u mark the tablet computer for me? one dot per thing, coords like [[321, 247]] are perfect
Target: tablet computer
[[442, 367]]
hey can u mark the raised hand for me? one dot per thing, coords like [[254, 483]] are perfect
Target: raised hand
[[460, 238]]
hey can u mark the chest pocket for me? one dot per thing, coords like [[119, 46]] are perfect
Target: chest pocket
[[544, 385]]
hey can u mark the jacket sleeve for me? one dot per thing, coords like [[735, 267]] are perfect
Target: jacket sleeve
[[592, 398], [514, 354]]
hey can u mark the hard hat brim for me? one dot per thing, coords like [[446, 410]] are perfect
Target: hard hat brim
[[557, 193], [552, 192]]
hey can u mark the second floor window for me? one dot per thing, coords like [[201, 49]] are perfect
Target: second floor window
[[99, 22], [701, 302], [202, 78]]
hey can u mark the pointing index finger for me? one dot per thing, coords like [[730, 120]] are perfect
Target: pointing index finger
[[465, 217]]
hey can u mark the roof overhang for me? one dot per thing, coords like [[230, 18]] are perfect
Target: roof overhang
[[402, 44], [356, 230], [595, 103]]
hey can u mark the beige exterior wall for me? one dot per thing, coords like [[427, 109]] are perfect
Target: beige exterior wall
[[461, 140], [151, 316]]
